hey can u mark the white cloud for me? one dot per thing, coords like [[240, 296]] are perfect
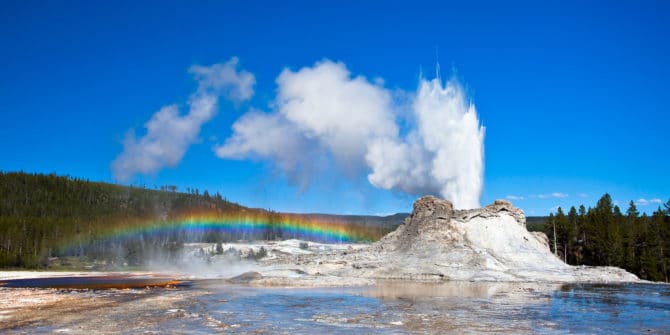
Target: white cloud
[[514, 197], [583, 195], [552, 195], [225, 79], [401, 165], [647, 202], [271, 136], [324, 109], [443, 155], [169, 134], [319, 109], [342, 113]]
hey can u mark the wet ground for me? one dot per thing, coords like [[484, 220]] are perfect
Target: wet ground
[[101, 282], [387, 308]]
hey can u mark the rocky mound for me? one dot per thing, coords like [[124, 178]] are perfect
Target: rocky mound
[[437, 243], [489, 243]]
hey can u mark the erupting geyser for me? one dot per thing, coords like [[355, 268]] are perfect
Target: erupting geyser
[[325, 113], [443, 155]]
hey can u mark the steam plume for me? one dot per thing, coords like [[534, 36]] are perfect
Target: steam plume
[[324, 109], [169, 134], [443, 154]]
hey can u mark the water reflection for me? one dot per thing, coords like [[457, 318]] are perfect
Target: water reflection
[[412, 290], [621, 308], [390, 307]]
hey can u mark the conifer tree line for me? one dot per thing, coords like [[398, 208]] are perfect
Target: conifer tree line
[[43, 217], [604, 235]]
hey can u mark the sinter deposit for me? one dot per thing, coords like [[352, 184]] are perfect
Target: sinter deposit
[[438, 243]]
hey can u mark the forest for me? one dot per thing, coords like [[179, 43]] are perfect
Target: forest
[[604, 235], [49, 217]]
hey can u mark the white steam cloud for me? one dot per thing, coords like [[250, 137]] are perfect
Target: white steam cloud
[[647, 202], [443, 155], [557, 195], [319, 109], [169, 134], [324, 109], [224, 78]]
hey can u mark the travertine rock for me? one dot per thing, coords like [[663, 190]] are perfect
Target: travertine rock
[[437, 243]]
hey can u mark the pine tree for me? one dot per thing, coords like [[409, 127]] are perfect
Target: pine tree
[[630, 238], [606, 234], [563, 231], [573, 221], [615, 239], [665, 238]]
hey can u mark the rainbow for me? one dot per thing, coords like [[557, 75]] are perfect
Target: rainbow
[[247, 225]]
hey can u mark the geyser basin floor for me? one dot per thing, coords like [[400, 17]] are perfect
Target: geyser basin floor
[[98, 282], [386, 308]]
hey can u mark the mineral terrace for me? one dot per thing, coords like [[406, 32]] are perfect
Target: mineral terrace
[[437, 243]]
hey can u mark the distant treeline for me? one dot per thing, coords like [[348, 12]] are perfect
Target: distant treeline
[[43, 217], [603, 235]]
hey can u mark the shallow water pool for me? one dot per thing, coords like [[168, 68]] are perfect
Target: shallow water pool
[[386, 308]]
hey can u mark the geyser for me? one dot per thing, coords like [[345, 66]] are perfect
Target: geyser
[[443, 154], [323, 112]]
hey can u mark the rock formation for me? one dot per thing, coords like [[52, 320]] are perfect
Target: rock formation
[[489, 243], [438, 243]]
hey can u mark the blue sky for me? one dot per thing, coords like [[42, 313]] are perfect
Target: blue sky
[[573, 95]]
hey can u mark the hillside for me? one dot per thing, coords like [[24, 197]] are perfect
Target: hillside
[[43, 217]]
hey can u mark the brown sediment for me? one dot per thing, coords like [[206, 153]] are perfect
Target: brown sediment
[[115, 281], [79, 299], [25, 306], [45, 310]]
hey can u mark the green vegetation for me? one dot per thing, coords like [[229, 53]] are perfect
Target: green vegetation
[[535, 223], [47, 216], [62, 222], [603, 235]]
